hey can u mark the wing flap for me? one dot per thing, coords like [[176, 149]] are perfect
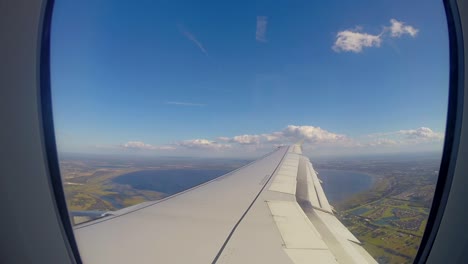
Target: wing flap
[[294, 226]]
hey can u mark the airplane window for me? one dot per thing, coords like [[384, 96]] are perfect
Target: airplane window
[[154, 98]]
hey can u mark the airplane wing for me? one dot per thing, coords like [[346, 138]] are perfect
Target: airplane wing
[[273, 210]]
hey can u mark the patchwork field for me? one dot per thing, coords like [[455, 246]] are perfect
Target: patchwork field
[[390, 218]]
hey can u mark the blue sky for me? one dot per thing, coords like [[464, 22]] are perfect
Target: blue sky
[[215, 78]]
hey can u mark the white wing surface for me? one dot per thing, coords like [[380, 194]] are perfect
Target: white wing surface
[[273, 210]]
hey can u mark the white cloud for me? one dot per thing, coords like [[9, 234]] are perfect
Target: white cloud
[[185, 144], [398, 28], [318, 138], [312, 134], [260, 33], [423, 133], [288, 135], [418, 133], [381, 142], [192, 38], [139, 145], [203, 144], [355, 41], [316, 141], [408, 137], [184, 103], [246, 139], [273, 137]]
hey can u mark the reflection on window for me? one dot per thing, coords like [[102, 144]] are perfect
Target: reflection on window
[[155, 98]]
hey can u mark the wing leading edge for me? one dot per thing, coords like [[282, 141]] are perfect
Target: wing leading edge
[[273, 210]]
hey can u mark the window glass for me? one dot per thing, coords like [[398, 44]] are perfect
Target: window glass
[[152, 98]]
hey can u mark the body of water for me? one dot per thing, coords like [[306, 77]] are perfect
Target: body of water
[[339, 185], [168, 181]]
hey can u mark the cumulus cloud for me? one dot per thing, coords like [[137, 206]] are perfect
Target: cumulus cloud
[[288, 135], [312, 134], [192, 38], [139, 145], [203, 144], [398, 28], [355, 40], [421, 132], [250, 139], [315, 139], [405, 137], [260, 33], [273, 137], [246, 139], [424, 133]]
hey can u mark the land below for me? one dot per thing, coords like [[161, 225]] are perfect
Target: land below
[[101, 184], [389, 217]]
